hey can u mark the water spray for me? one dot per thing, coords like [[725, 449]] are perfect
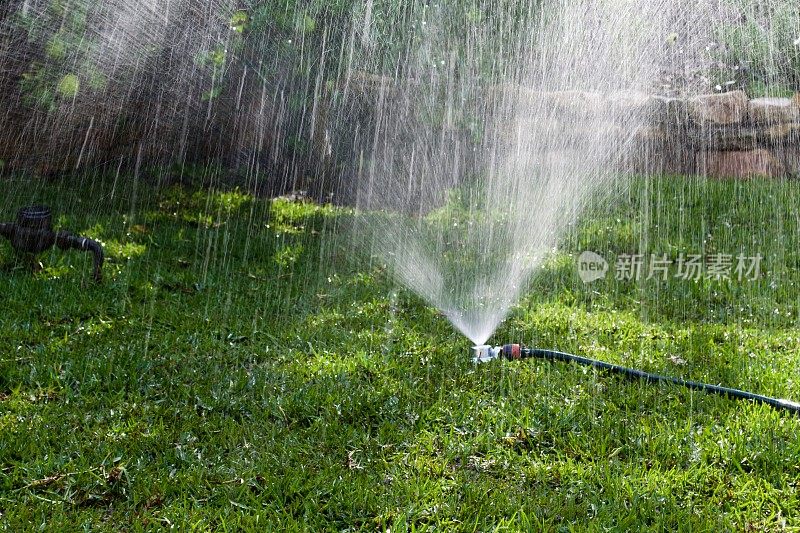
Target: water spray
[[33, 233], [485, 353]]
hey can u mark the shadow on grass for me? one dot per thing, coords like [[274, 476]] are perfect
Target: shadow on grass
[[237, 353]]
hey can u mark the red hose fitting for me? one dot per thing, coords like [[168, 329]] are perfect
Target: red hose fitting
[[512, 351]]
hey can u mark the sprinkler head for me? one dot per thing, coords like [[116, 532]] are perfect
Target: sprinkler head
[[485, 353]]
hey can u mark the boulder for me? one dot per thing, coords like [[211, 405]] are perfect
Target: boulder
[[529, 133], [671, 112], [649, 152], [632, 103], [773, 110], [578, 104], [538, 134], [506, 95], [652, 135], [786, 133], [724, 138], [741, 138], [791, 160], [790, 157], [724, 108], [742, 164], [556, 105]]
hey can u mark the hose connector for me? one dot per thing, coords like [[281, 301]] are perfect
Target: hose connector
[[485, 352]]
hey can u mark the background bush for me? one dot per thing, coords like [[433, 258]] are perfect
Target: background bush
[[759, 46], [258, 86]]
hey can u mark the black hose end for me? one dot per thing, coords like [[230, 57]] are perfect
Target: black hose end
[[66, 240], [99, 259]]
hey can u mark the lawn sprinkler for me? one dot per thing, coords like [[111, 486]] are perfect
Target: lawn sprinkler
[[33, 233], [485, 353]]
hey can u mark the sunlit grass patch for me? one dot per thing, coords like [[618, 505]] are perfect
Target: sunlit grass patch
[[257, 372], [292, 217], [127, 250]]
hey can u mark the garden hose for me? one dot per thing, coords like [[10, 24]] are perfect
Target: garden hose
[[515, 351]]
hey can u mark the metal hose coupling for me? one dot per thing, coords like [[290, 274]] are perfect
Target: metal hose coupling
[[33, 233], [485, 353]]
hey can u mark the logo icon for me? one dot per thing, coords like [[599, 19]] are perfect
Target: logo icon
[[591, 267]]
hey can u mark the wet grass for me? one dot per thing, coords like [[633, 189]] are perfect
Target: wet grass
[[240, 368]]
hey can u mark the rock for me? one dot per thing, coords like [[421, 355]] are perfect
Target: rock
[[741, 138], [537, 134], [786, 133], [744, 164], [529, 133], [658, 152], [573, 103], [650, 134], [604, 133], [725, 108], [631, 103], [558, 105], [724, 138], [671, 112], [774, 110], [507, 94], [791, 160]]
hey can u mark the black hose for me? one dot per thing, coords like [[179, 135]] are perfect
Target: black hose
[[630, 373], [66, 240]]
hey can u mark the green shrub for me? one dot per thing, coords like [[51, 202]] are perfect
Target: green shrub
[[762, 48], [69, 86], [58, 46]]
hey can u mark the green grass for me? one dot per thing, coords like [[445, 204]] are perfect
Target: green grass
[[242, 368]]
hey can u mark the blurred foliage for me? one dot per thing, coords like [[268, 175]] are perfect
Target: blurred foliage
[[283, 39], [761, 49], [306, 46], [69, 86], [56, 44], [288, 60]]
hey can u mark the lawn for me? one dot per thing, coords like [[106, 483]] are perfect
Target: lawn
[[241, 367]]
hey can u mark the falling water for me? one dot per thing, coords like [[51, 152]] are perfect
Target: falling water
[[473, 221], [487, 134]]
